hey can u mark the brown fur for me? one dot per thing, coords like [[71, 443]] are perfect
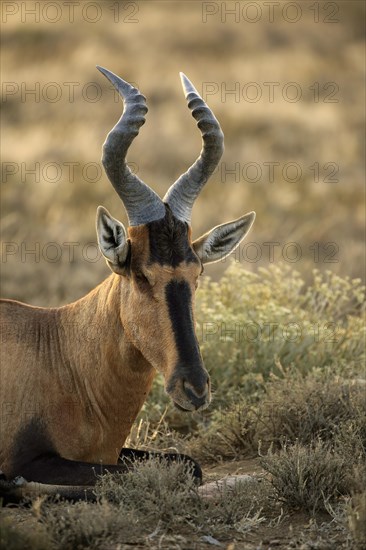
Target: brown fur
[[74, 378], [83, 371]]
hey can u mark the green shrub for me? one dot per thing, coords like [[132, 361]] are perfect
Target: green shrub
[[249, 323], [292, 409], [307, 477], [155, 492], [168, 497], [85, 525], [318, 406], [150, 504], [356, 518]]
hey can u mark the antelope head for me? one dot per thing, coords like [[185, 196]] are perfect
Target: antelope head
[[156, 259]]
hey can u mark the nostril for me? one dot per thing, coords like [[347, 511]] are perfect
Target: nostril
[[197, 397]]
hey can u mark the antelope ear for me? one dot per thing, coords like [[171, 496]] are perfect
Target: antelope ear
[[223, 239], [112, 240]]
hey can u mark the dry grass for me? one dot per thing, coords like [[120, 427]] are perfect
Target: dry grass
[[292, 410], [296, 395], [307, 477], [13, 538], [84, 525], [153, 505], [321, 407], [306, 419], [169, 38], [356, 518]]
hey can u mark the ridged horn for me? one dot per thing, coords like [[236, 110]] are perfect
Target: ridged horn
[[142, 204], [182, 194]]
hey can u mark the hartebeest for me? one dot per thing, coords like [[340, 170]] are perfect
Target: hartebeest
[[74, 378]]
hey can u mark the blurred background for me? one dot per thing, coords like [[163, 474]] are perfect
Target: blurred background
[[285, 81]]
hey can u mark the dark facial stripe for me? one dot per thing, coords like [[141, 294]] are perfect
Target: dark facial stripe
[[179, 300]]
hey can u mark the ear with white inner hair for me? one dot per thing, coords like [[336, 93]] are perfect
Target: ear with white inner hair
[[112, 240], [218, 243]]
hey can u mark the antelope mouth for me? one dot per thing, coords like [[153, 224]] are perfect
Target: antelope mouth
[[180, 408]]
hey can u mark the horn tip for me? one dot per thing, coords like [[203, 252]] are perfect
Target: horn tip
[[101, 69], [187, 84], [108, 74], [122, 86], [251, 217]]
